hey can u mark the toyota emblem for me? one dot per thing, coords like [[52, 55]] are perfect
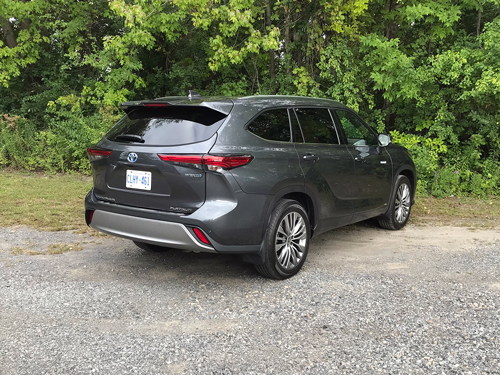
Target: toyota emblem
[[132, 157]]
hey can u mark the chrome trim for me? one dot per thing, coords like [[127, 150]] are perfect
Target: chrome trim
[[156, 232]]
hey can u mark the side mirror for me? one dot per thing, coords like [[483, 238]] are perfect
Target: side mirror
[[384, 140]]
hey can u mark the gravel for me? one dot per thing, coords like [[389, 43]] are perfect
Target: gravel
[[367, 301]]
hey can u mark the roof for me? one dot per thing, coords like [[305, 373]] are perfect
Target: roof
[[224, 104], [289, 100]]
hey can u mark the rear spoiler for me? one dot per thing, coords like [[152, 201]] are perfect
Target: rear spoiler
[[221, 107], [203, 113]]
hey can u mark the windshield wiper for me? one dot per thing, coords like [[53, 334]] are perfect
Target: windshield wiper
[[130, 137]]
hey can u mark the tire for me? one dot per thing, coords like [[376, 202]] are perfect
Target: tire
[[286, 241], [399, 210], [150, 248]]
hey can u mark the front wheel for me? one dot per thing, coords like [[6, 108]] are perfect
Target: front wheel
[[286, 241], [399, 210]]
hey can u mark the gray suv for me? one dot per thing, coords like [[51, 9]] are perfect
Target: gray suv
[[257, 176]]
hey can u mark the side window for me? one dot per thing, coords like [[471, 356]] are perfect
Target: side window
[[317, 125], [355, 131], [272, 125]]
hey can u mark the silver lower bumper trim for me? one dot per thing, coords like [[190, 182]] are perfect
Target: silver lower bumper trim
[[156, 232]]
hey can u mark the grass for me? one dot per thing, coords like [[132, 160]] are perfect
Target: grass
[[49, 202], [54, 249], [60, 248], [457, 211], [18, 250], [55, 202]]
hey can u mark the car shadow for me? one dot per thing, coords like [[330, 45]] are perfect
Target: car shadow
[[118, 258]]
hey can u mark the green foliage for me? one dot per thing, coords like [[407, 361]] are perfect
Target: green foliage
[[446, 182], [14, 148], [426, 71], [59, 148], [426, 152]]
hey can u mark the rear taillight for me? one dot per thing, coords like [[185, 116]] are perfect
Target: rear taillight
[[97, 154], [214, 163]]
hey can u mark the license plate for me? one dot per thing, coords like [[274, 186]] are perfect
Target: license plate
[[138, 180]]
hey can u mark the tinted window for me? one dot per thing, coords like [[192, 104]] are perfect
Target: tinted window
[[355, 131], [167, 126], [272, 125], [317, 125]]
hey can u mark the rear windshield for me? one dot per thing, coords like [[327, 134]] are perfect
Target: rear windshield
[[167, 126]]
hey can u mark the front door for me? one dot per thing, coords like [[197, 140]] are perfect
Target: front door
[[372, 181]]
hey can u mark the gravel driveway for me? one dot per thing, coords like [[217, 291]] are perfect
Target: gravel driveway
[[419, 301]]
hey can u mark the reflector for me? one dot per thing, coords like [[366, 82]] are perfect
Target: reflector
[[201, 236]]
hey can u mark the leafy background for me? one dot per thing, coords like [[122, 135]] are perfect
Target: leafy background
[[425, 71]]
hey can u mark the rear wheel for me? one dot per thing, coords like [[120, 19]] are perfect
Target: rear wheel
[[286, 242], [149, 247], [400, 207]]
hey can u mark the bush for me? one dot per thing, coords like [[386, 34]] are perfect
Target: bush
[[60, 148], [446, 182], [426, 153], [443, 171], [16, 133]]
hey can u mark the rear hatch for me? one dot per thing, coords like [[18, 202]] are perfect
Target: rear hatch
[[155, 153]]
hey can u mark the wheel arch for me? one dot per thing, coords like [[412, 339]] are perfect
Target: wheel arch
[[297, 194], [412, 176], [306, 202]]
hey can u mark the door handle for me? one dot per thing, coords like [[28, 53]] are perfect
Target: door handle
[[359, 159], [310, 157]]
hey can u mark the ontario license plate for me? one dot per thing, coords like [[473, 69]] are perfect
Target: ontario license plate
[[138, 180]]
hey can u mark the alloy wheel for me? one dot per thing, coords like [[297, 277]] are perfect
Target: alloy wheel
[[291, 240], [402, 204]]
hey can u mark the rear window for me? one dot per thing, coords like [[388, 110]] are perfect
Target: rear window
[[167, 126], [272, 125]]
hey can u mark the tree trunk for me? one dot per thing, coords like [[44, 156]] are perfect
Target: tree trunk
[[8, 33], [297, 53], [391, 29], [478, 28], [287, 29], [287, 37], [391, 32], [389, 118], [271, 52]]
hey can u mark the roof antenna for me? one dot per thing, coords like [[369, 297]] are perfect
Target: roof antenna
[[193, 94]]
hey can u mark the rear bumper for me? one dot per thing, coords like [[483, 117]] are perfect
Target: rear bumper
[[150, 231], [227, 228]]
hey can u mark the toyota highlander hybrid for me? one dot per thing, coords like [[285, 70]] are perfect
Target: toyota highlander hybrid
[[257, 176]]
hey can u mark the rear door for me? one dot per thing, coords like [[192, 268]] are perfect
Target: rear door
[[156, 158], [326, 163]]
